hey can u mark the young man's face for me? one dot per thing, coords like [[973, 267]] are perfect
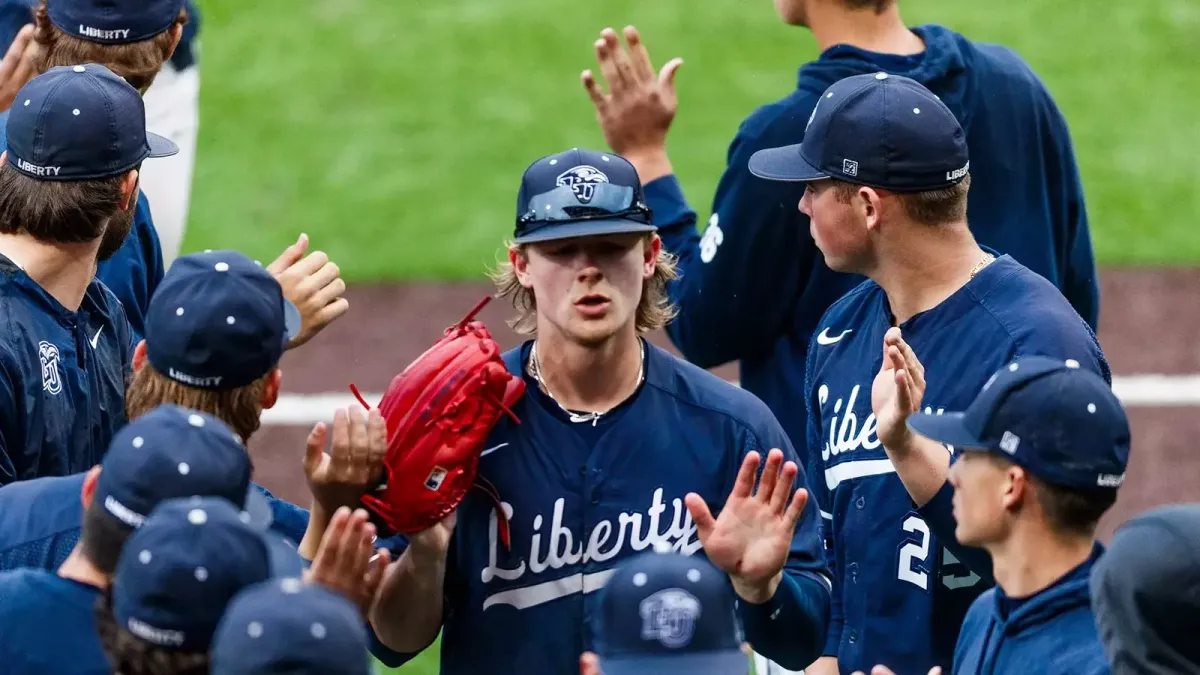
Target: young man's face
[[982, 491], [837, 227], [588, 288]]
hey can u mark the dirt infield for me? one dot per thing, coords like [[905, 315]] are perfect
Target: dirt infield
[[1149, 320]]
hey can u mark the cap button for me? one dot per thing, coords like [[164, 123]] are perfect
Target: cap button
[[79, 69], [881, 76]]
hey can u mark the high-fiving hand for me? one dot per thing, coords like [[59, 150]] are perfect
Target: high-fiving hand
[[897, 391], [640, 105], [752, 536], [346, 561], [313, 284]]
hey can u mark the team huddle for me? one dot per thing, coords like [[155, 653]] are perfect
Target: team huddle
[[908, 478]]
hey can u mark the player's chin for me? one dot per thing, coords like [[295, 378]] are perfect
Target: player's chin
[[594, 331]]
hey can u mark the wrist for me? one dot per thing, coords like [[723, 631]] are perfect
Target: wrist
[[757, 592], [650, 162], [318, 522]]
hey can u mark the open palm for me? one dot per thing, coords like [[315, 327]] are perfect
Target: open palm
[[751, 537]]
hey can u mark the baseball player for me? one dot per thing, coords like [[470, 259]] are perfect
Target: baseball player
[[1040, 454], [133, 38], [216, 330], [68, 189], [667, 614], [753, 284], [1144, 593], [620, 447], [169, 452], [885, 168], [174, 578], [279, 626]]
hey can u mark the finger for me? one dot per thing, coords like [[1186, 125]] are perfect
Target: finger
[[796, 508], [593, 89], [350, 540], [289, 257], [340, 450], [608, 67], [375, 569], [701, 516], [309, 264], [912, 363], [314, 450], [783, 487], [322, 277], [936, 670], [770, 476], [639, 56], [904, 397], [359, 442], [329, 552], [360, 546], [666, 76], [328, 294], [329, 313], [744, 484]]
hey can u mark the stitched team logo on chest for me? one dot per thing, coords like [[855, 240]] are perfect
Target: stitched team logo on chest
[[51, 377]]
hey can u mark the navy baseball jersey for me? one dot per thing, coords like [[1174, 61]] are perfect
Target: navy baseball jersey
[[40, 521], [48, 625], [1053, 628], [136, 269], [581, 497], [62, 377], [899, 591], [753, 286]]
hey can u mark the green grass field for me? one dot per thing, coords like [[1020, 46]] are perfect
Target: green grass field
[[394, 133]]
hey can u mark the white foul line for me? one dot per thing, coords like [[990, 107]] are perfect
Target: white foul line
[[1135, 391]]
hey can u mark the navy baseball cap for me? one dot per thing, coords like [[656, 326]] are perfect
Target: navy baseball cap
[[171, 452], [113, 21], [218, 320], [580, 193], [1060, 422], [80, 123], [288, 627], [663, 613], [885, 131], [180, 569]]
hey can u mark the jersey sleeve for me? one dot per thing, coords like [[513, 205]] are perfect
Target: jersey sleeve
[[790, 628], [738, 281], [1080, 282]]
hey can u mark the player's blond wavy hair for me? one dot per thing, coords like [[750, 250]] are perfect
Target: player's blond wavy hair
[[137, 62], [654, 311], [240, 408], [130, 655]]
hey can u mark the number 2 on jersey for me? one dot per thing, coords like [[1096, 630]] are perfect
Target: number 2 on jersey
[[915, 551]]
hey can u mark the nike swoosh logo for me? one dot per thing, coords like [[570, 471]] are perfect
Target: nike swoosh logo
[[96, 337], [824, 339], [492, 449]]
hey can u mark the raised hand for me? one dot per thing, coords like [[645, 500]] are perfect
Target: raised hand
[[338, 478], [640, 105], [346, 561], [17, 66], [751, 537], [313, 284], [897, 390]]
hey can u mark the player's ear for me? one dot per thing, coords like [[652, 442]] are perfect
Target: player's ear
[[176, 32], [89, 486], [139, 356], [271, 390], [869, 206], [589, 664], [650, 259], [129, 183], [1016, 483], [520, 265]]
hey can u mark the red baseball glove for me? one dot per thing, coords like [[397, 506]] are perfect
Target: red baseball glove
[[439, 412]]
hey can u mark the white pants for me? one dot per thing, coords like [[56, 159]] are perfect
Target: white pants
[[172, 110]]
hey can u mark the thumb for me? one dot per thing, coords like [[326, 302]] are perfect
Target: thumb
[[315, 448], [700, 515], [290, 256], [666, 76]]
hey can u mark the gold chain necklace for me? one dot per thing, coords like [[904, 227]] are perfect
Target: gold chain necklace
[[987, 258], [535, 370]]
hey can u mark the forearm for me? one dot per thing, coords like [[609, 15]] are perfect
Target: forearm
[[318, 522], [790, 627], [407, 613], [922, 466]]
